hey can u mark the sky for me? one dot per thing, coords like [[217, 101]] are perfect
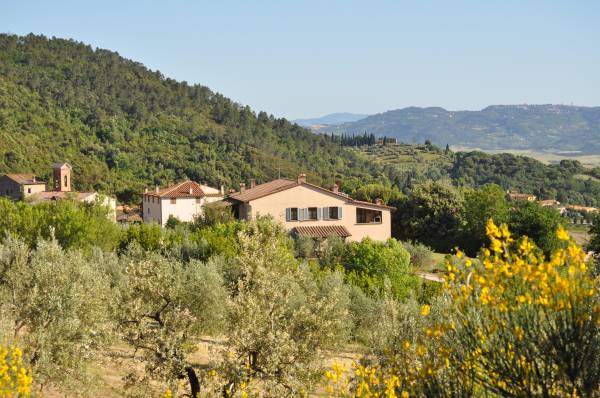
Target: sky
[[309, 58]]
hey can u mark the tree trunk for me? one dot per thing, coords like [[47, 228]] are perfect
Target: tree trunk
[[194, 382]]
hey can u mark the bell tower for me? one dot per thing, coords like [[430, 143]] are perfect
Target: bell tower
[[62, 177]]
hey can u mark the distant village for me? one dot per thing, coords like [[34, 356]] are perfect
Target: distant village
[[305, 209]]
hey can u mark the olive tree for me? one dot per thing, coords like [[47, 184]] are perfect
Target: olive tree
[[282, 318], [55, 304], [163, 308]]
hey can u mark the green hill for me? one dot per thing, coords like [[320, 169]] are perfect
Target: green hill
[[535, 127], [124, 127], [407, 165]]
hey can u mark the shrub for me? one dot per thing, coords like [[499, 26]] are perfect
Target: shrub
[[56, 304], [15, 379], [369, 264], [420, 255], [518, 325]]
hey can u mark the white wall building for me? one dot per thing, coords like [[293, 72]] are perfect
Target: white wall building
[[183, 201]]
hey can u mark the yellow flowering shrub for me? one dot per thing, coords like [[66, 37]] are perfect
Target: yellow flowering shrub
[[517, 324], [15, 379]]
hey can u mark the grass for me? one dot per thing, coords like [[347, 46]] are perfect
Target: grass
[[579, 233], [108, 371], [587, 160]]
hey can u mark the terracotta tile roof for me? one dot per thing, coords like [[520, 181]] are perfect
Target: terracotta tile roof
[[57, 195], [25, 178], [282, 184], [60, 165], [323, 231], [265, 189], [181, 190]]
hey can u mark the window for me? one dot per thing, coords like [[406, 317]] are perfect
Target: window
[[66, 181], [367, 216], [28, 190], [313, 213], [198, 200], [291, 214], [148, 210], [333, 213], [173, 201]]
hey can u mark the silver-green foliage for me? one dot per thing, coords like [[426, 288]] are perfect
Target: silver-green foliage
[[55, 304], [163, 309], [282, 318]]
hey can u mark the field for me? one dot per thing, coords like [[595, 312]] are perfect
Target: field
[[404, 155], [588, 160]]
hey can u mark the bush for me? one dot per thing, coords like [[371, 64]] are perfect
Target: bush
[[369, 264], [56, 304], [72, 224], [517, 325], [304, 246], [421, 256]]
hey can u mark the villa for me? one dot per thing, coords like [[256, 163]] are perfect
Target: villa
[[309, 210], [183, 201]]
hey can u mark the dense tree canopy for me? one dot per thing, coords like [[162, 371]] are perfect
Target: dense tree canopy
[[123, 126]]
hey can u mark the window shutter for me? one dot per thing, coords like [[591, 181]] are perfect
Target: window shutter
[[325, 213], [319, 213], [300, 214], [340, 213], [288, 214]]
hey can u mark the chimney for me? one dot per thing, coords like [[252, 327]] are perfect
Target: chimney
[[156, 189], [335, 188], [33, 179], [242, 187], [146, 190], [378, 201], [301, 178], [222, 190], [190, 190], [252, 183]]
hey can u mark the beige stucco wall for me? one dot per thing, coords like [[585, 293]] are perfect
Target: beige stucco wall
[[184, 209], [15, 191], [304, 196], [151, 211], [34, 188], [104, 200]]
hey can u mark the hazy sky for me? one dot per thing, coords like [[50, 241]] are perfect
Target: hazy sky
[[309, 58]]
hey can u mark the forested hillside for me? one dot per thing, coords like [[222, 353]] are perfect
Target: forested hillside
[[409, 165], [536, 127], [123, 126]]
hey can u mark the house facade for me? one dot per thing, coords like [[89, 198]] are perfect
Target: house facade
[[20, 186], [28, 187], [309, 210], [183, 201]]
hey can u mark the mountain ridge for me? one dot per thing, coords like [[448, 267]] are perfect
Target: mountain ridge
[[535, 127], [330, 119]]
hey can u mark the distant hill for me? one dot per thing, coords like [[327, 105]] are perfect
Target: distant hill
[[535, 127], [331, 119]]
